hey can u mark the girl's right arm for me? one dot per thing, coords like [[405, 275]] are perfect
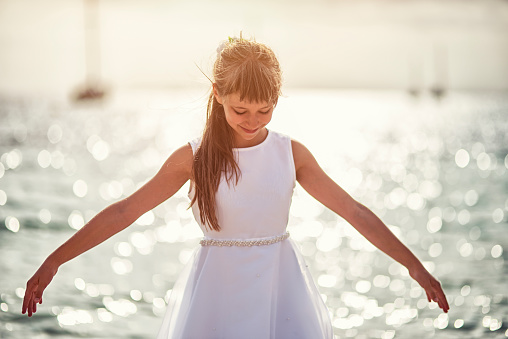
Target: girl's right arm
[[171, 177]]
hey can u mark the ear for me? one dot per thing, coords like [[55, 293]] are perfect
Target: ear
[[216, 94]]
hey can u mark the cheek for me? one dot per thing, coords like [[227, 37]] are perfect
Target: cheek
[[232, 118], [266, 118]]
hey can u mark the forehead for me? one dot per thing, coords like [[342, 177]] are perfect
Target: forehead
[[234, 100]]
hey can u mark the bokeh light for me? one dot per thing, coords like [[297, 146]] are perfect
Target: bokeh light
[[3, 198], [422, 168], [80, 188], [462, 158], [12, 224]]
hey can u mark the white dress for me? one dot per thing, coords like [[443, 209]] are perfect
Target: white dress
[[260, 291]]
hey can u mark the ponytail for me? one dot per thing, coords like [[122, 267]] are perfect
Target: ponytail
[[213, 159]]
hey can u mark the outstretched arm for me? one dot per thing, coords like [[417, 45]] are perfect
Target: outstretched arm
[[113, 219], [318, 184]]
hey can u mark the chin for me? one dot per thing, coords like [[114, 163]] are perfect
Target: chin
[[251, 135]]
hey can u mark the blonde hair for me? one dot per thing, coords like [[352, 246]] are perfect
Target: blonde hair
[[250, 69]]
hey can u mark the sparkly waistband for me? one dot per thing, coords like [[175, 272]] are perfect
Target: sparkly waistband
[[246, 242]]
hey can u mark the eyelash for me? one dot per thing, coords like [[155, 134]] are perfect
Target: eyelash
[[240, 113]]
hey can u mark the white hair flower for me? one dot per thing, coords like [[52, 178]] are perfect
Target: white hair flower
[[228, 41], [221, 46]]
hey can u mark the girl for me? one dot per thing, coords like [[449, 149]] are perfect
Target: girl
[[247, 279]]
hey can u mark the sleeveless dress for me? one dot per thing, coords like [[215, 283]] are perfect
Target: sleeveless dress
[[249, 280]]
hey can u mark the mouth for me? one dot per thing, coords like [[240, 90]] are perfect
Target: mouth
[[250, 131]]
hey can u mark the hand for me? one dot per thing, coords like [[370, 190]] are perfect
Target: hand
[[431, 286], [35, 286]]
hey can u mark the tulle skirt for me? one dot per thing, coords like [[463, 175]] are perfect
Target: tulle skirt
[[246, 292]]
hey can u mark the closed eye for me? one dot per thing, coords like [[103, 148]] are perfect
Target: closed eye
[[262, 112]]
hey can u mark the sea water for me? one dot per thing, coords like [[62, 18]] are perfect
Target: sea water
[[435, 170]]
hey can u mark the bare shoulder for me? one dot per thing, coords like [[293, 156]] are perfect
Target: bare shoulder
[[301, 155], [184, 153], [180, 160]]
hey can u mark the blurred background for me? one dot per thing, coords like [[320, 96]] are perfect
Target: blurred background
[[403, 103]]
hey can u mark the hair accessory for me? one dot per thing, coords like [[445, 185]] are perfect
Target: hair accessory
[[221, 47], [230, 41], [235, 39]]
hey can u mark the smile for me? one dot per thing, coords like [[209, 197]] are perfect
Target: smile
[[248, 130]]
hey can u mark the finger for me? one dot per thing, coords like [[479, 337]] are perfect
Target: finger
[[23, 308], [26, 299], [32, 305], [443, 303], [446, 307], [429, 299], [432, 297], [30, 308]]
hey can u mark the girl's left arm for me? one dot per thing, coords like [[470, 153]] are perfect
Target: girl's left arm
[[318, 184]]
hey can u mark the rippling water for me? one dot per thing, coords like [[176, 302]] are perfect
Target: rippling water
[[434, 170]]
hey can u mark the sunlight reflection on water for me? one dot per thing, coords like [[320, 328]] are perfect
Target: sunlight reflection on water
[[428, 169]]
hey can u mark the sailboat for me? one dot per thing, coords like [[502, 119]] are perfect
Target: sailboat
[[92, 89], [415, 73], [438, 89]]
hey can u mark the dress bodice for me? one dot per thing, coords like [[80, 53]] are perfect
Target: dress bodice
[[258, 205]]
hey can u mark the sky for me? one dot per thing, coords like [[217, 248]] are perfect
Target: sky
[[365, 44]]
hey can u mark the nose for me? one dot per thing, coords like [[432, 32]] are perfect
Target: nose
[[252, 120]]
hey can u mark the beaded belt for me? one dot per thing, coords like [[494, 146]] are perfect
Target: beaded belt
[[256, 242]]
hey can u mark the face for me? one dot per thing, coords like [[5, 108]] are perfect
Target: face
[[247, 119]]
